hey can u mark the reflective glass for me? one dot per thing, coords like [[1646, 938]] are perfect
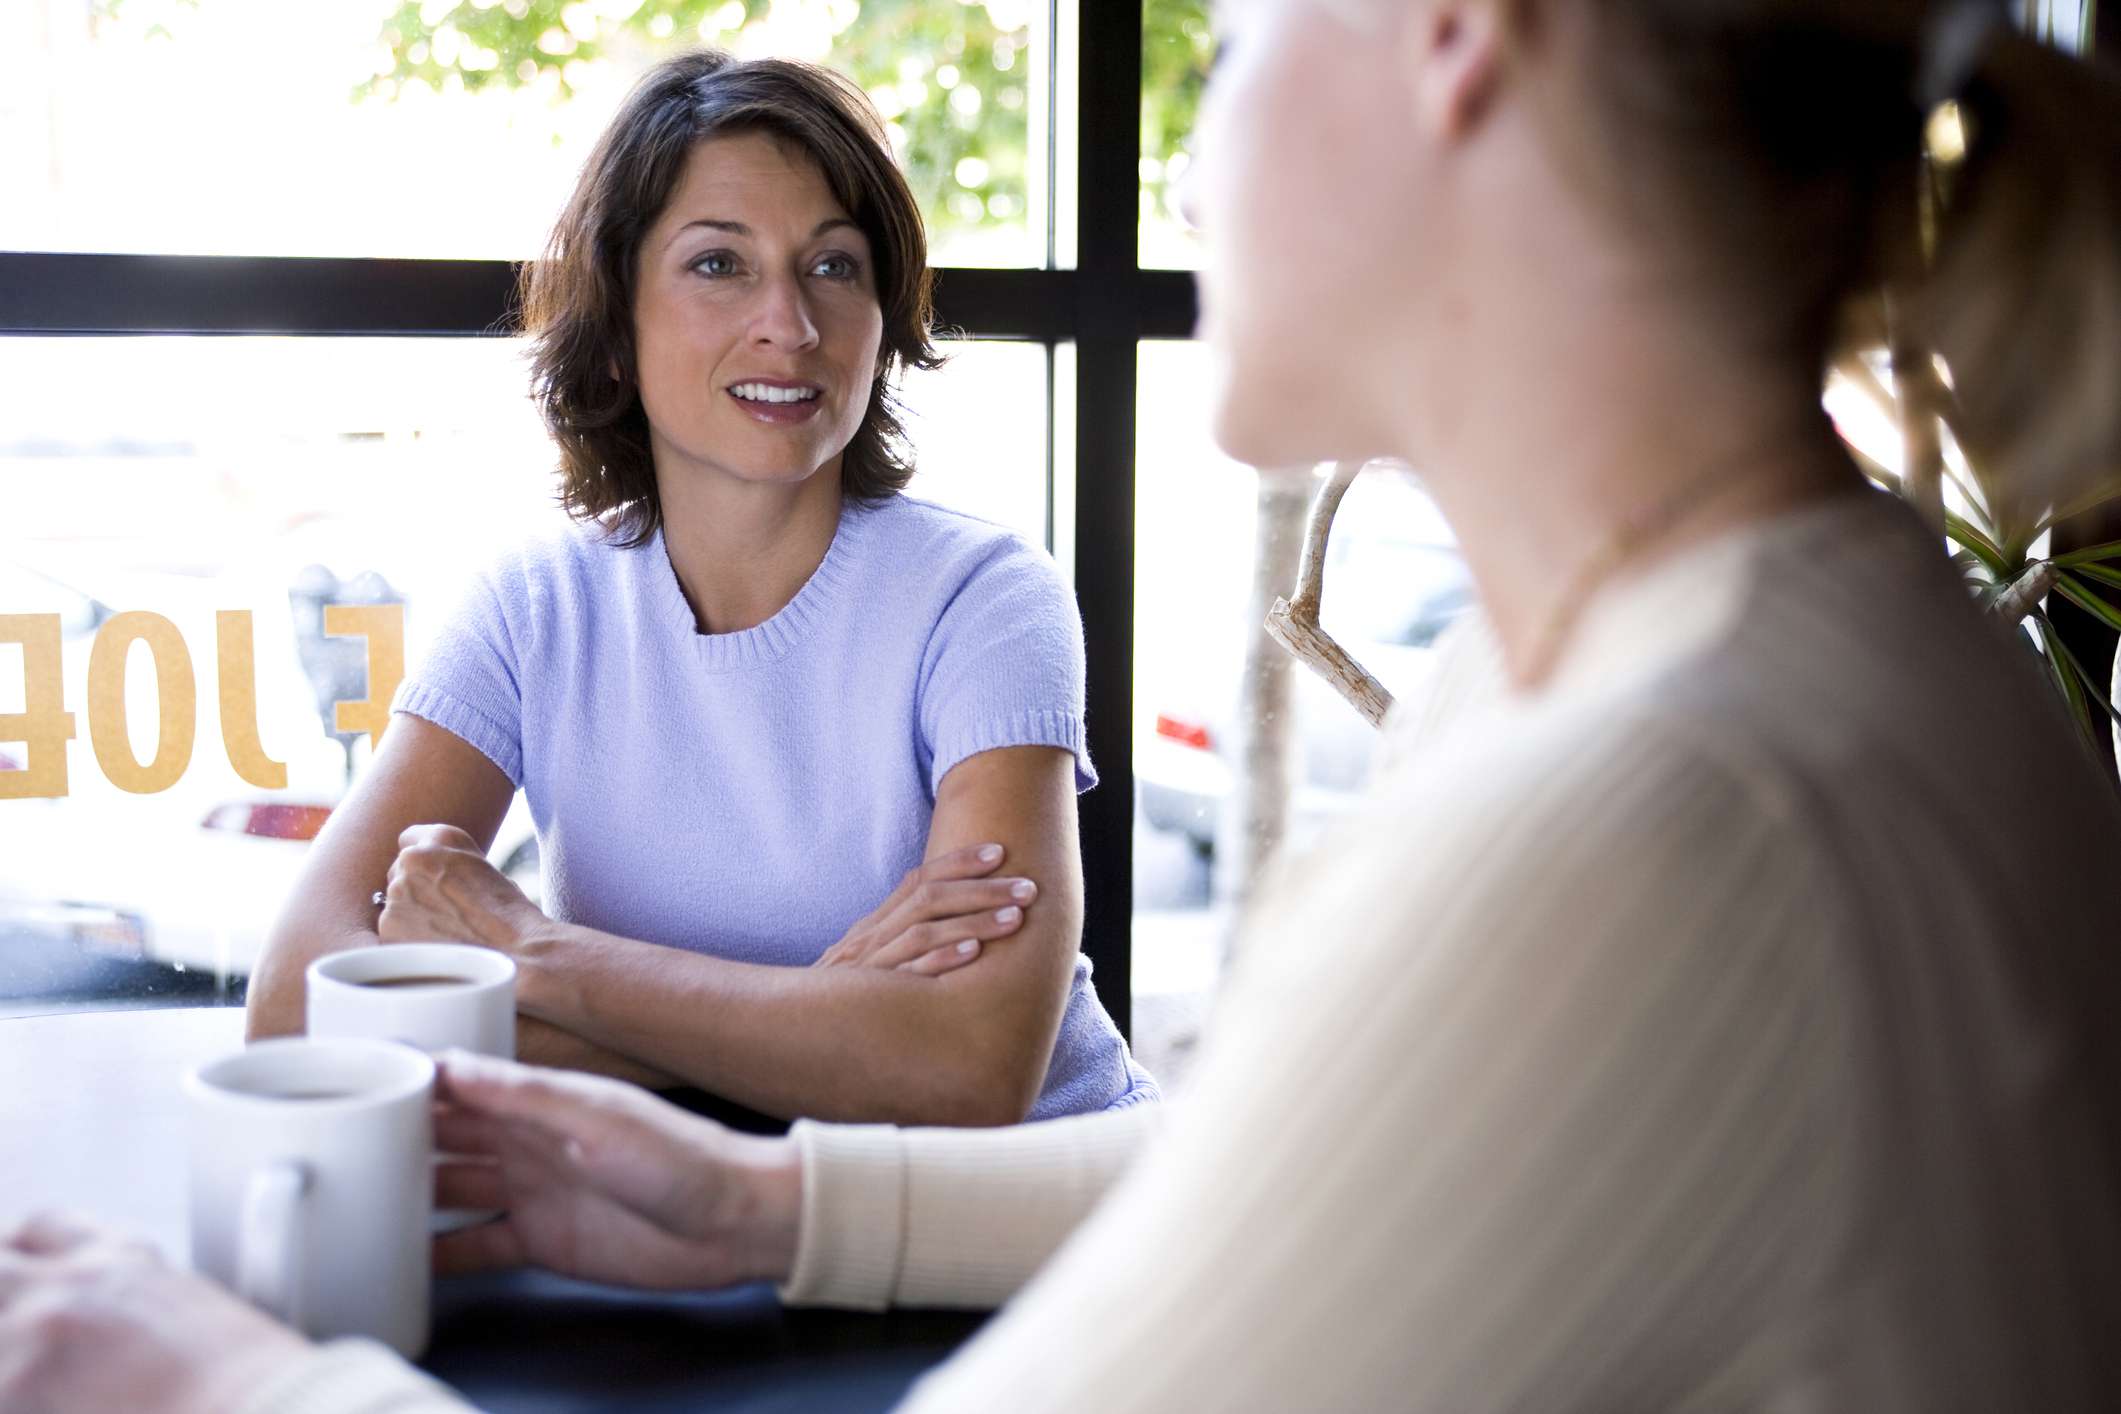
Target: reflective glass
[[179, 513], [1216, 543], [1178, 47], [441, 129]]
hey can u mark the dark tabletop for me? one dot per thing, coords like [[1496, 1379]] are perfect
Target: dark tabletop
[[91, 1120], [534, 1342]]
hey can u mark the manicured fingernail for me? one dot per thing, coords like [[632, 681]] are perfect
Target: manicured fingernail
[[970, 945], [1023, 891], [989, 853], [1008, 915]]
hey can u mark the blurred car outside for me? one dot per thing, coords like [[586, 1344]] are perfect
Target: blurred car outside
[[1394, 582]]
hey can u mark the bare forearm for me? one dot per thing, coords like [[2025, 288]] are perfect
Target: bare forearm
[[542, 1043], [825, 1043], [421, 773], [276, 1001], [276, 1006]]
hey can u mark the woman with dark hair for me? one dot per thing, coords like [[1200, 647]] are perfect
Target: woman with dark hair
[[779, 725], [1714, 1010]]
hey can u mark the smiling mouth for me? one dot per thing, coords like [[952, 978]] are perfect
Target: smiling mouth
[[772, 393]]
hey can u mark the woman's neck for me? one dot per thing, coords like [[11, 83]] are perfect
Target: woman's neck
[[742, 550], [1626, 453]]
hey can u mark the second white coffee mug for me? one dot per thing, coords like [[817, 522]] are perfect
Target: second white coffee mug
[[430, 995], [312, 1187]]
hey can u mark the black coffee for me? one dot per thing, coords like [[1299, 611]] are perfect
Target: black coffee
[[416, 982]]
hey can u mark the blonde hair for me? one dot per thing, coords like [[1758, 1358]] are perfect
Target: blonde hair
[[1780, 144]]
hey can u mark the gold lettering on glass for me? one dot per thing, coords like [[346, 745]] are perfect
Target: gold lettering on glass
[[45, 727], [176, 692]]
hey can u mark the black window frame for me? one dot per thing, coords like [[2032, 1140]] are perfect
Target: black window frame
[[1105, 307]]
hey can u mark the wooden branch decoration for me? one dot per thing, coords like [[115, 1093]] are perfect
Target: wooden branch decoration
[[1294, 624]]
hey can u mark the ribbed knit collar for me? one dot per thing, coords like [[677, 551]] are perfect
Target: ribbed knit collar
[[822, 595]]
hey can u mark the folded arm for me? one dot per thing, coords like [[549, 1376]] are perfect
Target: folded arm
[[861, 1043], [865, 1041], [421, 773]]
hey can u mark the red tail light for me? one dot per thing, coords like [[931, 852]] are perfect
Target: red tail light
[[1184, 731], [270, 820]]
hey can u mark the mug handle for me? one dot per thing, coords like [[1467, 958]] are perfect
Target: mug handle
[[269, 1241]]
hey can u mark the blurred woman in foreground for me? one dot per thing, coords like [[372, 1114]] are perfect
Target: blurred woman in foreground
[[1713, 1008]]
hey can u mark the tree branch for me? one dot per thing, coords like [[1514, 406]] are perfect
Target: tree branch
[[1294, 624]]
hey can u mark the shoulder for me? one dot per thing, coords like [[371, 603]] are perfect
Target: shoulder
[[564, 565], [562, 554], [1615, 881], [951, 552], [954, 541], [526, 593], [1622, 819], [1466, 677]]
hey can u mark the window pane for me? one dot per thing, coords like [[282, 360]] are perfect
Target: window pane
[[190, 478], [1177, 48], [978, 426], [1202, 587], [209, 127]]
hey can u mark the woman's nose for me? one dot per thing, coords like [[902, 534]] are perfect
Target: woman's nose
[[783, 316]]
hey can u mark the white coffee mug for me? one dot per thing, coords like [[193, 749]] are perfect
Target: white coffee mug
[[312, 1186], [430, 995]]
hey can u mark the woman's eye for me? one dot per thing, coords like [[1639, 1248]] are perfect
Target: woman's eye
[[835, 267], [716, 262]]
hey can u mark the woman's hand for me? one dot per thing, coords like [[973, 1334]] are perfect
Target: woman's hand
[[89, 1321], [443, 890], [600, 1180], [939, 917]]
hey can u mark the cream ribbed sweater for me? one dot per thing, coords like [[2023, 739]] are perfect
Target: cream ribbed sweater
[[1726, 1027]]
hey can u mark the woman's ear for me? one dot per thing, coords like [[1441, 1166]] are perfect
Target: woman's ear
[[1454, 55]]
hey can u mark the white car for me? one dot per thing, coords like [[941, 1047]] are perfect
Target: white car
[[1387, 598]]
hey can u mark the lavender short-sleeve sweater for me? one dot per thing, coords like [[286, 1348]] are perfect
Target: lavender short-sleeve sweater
[[752, 795]]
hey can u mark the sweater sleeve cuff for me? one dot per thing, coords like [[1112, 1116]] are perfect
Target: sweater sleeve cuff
[[352, 1377], [465, 722], [853, 1234], [1063, 730]]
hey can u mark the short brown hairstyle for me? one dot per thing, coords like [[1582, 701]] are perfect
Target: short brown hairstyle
[[578, 298]]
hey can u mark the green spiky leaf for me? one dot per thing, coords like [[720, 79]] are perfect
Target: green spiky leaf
[[2083, 596]]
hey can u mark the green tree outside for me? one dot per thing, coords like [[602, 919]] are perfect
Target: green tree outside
[[1178, 49], [952, 77]]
